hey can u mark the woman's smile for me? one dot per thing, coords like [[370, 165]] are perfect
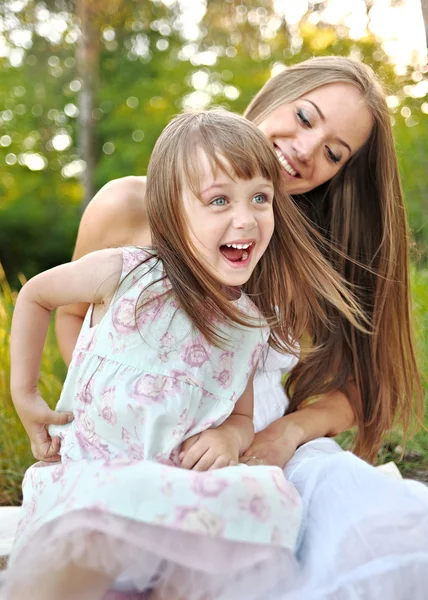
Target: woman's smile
[[314, 136]]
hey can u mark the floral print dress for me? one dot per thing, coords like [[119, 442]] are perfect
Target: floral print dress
[[139, 384]]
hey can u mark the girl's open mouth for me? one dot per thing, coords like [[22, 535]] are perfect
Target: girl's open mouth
[[237, 253]]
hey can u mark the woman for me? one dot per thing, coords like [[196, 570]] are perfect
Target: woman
[[328, 121]]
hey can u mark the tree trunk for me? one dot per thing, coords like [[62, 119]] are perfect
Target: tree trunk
[[424, 4], [87, 60]]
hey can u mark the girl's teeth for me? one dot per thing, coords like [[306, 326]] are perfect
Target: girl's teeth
[[285, 163], [244, 255], [238, 246]]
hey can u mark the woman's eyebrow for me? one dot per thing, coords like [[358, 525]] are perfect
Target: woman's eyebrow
[[322, 117]]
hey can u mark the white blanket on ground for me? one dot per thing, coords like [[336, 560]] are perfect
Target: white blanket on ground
[[9, 518]]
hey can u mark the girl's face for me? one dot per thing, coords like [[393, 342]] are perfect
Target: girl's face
[[230, 223], [316, 134]]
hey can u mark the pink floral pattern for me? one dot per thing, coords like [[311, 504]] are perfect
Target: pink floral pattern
[[196, 352], [137, 392], [207, 485]]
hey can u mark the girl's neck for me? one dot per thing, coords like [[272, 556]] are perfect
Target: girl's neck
[[232, 292]]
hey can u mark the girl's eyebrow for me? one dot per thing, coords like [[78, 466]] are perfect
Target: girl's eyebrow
[[322, 117], [213, 186]]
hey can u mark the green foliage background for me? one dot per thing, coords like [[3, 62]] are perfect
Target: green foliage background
[[40, 211]]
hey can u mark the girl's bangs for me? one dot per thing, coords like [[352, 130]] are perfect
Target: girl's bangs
[[231, 158]]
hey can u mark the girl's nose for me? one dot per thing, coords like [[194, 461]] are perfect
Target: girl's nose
[[243, 218]]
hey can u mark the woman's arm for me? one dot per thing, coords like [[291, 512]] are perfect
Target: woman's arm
[[115, 217], [330, 415], [327, 417]]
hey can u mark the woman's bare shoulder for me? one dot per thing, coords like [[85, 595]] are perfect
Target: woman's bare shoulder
[[124, 196], [116, 216]]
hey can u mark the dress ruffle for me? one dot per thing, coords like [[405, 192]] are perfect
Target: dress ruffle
[[193, 567]]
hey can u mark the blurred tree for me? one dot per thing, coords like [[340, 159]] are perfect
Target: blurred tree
[[424, 4], [87, 57], [144, 62]]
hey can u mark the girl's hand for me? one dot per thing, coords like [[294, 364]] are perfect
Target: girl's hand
[[211, 449], [275, 445], [35, 415]]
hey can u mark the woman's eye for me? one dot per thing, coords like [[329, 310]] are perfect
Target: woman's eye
[[303, 118], [260, 199], [220, 201], [333, 157]]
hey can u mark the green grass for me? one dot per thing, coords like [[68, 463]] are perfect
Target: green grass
[[15, 453]]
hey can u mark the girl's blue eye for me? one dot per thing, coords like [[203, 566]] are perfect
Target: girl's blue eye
[[220, 201], [260, 199], [303, 118]]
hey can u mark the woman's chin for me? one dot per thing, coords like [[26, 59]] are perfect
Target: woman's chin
[[294, 185]]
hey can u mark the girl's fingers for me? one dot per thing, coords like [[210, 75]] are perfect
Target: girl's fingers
[[58, 418], [46, 447], [187, 444], [54, 447], [51, 459], [45, 454], [205, 462], [221, 462], [193, 455]]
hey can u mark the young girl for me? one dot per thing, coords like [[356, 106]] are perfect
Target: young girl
[[167, 353]]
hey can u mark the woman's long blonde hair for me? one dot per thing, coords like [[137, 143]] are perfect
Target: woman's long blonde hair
[[360, 211], [292, 284]]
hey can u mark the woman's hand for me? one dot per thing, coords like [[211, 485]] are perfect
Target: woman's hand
[[276, 444], [35, 415]]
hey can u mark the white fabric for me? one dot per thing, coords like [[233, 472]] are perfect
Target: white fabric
[[366, 533], [9, 518], [270, 401]]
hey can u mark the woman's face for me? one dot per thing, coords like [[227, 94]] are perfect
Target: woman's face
[[316, 134]]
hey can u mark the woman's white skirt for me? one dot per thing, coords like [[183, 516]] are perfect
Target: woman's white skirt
[[365, 534]]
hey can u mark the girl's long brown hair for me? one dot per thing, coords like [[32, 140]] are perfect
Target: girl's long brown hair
[[360, 211], [292, 284]]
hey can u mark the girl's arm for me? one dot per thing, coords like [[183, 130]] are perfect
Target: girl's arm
[[93, 278], [240, 423], [115, 217], [330, 415], [221, 446]]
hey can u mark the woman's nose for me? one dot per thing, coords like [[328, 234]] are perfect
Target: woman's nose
[[306, 148]]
